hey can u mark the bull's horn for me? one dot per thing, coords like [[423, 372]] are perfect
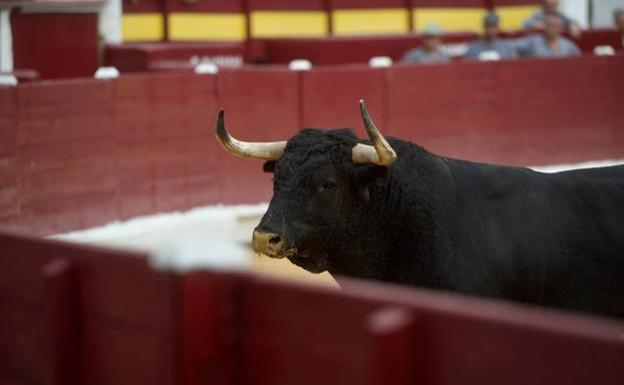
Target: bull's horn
[[380, 152], [257, 150]]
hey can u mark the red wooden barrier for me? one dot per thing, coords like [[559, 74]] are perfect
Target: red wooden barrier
[[164, 135], [352, 49], [371, 333], [605, 36], [124, 323], [110, 316], [57, 45], [66, 154], [449, 3], [260, 105], [85, 152], [210, 330], [61, 313], [503, 3], [142, 57], [143, 6], [329, 102], [534, 111], [9, 200], [205, 6]]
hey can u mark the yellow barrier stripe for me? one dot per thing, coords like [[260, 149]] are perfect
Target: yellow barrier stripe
[[288, 24], [513, 17], [207, 26], [142, 27], [450, 19], [369, 21]]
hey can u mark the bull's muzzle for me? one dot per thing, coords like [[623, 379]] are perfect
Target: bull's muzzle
[[269, 244]]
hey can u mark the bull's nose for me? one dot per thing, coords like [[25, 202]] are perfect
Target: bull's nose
[[267, 243]]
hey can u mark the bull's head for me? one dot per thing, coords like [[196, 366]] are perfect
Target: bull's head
[[321, 179]]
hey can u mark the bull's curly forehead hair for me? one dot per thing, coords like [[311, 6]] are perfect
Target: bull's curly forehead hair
[[312, 144]]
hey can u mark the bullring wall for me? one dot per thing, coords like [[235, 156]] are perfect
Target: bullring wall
[[84, 152]]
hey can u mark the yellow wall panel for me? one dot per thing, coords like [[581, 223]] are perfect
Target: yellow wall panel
[[513, 17], [207, 26], [289, 24], [142, 27], [370, 21], [450, 19]]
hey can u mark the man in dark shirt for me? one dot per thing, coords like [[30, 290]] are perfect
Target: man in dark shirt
[[490, 46]]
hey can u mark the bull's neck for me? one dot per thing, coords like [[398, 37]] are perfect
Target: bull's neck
[[402, 237]]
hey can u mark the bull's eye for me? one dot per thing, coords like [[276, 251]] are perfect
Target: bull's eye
[[328, 185]]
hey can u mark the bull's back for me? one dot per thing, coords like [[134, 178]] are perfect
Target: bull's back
[[555, 239]]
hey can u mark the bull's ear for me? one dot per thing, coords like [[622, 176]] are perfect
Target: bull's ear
[[369, 173], [364, 194], [364, 177], [269, 166]]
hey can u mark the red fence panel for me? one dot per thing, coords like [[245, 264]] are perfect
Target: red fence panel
[[341, 88], [126, 314], [260, 105], [211, 327], [66, 155], [291, 334], [281, 333], [57, 45], [143, 57], [595, 37], [367, 4], [9, 193], [86, 152], [510, 112], [502, 3], [350, 49], [130, 6], [205, 6], [137, 325], [465, 340], [164, 137], [285, 5]]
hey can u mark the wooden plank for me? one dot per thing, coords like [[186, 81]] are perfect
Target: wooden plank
[[62, 321], [392, 330]]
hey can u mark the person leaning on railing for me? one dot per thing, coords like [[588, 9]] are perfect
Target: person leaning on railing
[[537, 21], [549, 43]]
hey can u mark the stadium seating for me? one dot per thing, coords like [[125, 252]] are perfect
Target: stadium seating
[[143, 57]]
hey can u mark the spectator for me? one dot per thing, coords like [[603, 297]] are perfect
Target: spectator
[[430, 50], [618, 19], [537, 20], [490, 44], [550, 43]]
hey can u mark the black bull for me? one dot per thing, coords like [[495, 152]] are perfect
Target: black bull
[[425, 220]]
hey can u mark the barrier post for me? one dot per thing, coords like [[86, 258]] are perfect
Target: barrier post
[[61, 319], [391, 329]]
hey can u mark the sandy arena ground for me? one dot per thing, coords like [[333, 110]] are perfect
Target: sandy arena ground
[[215, 236]]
